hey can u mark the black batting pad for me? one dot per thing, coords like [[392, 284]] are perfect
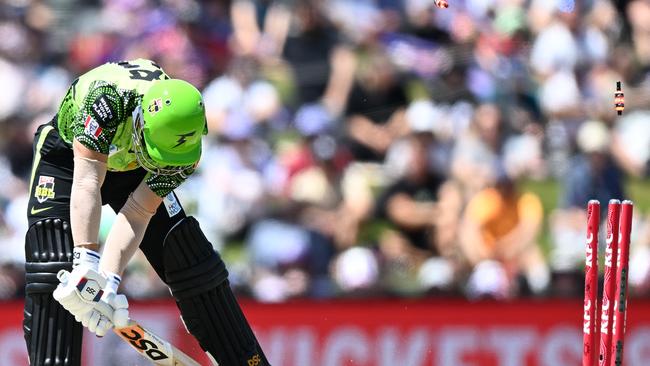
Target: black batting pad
[[53, 336], [198, 280]]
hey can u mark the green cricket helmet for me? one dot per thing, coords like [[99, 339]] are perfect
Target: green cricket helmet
[[171, 121]]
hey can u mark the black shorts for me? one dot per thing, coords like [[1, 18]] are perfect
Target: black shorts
[[51, 183]]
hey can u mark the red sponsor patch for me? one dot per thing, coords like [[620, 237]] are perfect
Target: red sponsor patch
[[92, 127]]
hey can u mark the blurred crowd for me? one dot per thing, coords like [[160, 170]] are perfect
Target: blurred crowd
[[364, 147]]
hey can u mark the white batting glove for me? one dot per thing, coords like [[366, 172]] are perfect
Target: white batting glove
[[95, 322], [111, 310], [117, 302], [81, 292]]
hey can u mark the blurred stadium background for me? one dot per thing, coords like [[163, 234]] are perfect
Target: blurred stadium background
[[390, 183]]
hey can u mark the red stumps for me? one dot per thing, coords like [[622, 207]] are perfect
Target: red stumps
[[620, 305], [603, 344], [591, 285], [609, 286]]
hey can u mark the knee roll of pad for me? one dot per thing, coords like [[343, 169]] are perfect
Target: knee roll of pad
[[192, 266], [198, 280], [52, 335], [48, 249]]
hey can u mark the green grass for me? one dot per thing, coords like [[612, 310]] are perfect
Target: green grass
[[638, 190], [549, 192]]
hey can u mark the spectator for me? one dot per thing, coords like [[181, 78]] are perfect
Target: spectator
[[410, 207], [241, 91], [501, 226], [631, 144], [476, 152], [375, 109], [308, 49], [593, 175]]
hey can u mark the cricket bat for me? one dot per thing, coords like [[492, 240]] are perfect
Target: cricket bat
[[148, 344], [152, 347]]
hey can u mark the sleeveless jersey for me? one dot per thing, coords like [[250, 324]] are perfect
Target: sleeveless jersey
[[97, 112]]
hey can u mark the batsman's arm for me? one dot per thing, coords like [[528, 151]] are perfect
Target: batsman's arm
[[129, 228], [93, 126], [85, 198]]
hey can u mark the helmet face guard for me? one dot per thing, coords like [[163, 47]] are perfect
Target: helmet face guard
[[141, 155]]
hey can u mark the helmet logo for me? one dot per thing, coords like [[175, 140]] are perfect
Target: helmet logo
[[182, 138], [155, 106]]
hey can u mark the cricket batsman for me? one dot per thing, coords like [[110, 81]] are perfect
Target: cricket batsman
[[126, 135]]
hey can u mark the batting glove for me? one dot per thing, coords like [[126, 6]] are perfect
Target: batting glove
[[82, 290]]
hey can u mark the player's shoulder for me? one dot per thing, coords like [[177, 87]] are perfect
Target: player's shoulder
[[142, 63], [128, 74], [129, 64]]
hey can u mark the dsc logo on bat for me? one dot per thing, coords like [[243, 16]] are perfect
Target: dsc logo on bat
[[137, 340]]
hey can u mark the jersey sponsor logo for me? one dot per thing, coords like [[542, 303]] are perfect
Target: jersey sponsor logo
[[171, 204], [92, 128], [102, 110], [44, 190], [155, 106]]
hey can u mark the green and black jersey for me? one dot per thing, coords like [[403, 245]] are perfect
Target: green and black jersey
[[97, 111]]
